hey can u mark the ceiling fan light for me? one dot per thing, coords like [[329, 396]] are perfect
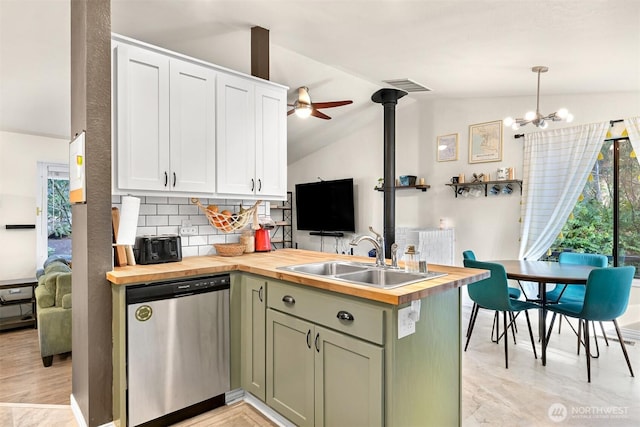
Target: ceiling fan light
[[530, 115], [569, 118], [303, 111], [515, 126], [508, 121], [543, 124]]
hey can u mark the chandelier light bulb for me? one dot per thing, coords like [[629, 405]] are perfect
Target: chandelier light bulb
[[530, 115], [508, 121]]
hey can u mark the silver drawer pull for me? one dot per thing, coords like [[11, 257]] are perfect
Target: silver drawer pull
[[288, 299], [345, 315]]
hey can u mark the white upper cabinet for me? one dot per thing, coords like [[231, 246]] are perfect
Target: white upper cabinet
[[271, 141], [236, 160], [192, 128], [252, 138], [192, 124], [142, 114]]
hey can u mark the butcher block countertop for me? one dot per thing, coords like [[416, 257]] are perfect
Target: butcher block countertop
[[266, 264]]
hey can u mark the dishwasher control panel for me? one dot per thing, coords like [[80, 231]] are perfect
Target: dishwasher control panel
[[177, 288]]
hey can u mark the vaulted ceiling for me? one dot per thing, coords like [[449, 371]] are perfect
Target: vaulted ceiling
[[341, 49]]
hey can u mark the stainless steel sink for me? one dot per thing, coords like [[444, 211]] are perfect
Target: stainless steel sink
[[361, 273], [331, 268]]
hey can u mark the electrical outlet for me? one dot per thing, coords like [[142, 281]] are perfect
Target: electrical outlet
[[188, 231]]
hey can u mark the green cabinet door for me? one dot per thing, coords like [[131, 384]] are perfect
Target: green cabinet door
[[254, 299], [290, 382], [348, 380]]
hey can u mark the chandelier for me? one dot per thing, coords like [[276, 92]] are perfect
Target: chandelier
[[535, 117]]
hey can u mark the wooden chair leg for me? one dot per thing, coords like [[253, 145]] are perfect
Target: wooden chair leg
[[624, 348]]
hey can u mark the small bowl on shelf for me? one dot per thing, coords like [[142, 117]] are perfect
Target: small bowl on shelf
[[229, 249]]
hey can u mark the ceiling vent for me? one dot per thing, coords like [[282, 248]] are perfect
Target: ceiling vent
[[407, 85]]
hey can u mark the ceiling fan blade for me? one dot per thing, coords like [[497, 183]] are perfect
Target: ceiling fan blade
[[319, 115], [290, 112], [330, 104]]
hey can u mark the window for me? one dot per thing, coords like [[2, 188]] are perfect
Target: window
[[54, 210], [606, 218]]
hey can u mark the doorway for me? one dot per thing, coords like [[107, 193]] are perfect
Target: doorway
[[53, 224]]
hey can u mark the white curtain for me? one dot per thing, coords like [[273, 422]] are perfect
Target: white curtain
[[633, 130], [556, 166]]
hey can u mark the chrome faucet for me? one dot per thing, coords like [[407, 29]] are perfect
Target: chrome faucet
[[377, 243]]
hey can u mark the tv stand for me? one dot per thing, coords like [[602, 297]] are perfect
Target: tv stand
[[326, 233]]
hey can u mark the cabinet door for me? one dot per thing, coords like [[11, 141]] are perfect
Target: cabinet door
[[235, 163], [192, 127], [290, 367], [348, 380], [271, 141], [253, 336], [142, 111]]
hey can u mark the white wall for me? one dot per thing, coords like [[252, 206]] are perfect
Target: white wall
[[19, 157]]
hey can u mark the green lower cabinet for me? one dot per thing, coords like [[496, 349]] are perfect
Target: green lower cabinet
[[253, 373], [290, 382], [348, 380], [318, 377]]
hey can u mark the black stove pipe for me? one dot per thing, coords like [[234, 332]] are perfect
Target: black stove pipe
[[389, 98]]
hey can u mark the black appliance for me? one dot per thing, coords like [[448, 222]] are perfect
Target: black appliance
[[158, 249], [325, 206]]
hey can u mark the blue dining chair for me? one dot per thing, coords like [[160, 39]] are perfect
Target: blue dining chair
[[513, 293], [493, 294], [606, 298], [575, 293]]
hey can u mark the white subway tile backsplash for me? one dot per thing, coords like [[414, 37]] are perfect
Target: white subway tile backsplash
[[158, 220], [167, 210], [164, 215]]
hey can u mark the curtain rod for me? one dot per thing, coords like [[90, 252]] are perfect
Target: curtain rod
[[611, 123]]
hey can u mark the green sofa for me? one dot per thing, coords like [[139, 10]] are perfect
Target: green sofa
[[53, 296]]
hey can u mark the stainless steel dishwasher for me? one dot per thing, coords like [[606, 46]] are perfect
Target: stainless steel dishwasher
[[177, 349]]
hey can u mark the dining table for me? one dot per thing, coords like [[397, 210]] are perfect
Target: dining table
[[544, 273]]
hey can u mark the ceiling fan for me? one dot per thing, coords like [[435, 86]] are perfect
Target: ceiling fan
[[304, 108]]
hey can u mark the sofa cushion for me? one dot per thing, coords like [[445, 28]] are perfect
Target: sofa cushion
[[44, 298], [57, 266], [63, 287], [66, 301]]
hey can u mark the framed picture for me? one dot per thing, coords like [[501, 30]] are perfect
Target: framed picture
[[447, 149], [485, 142]]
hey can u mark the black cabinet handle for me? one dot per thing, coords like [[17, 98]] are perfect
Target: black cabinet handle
[[345, 315], [174, 179], [166, 178], [288, 299], [253, 184], [317, 342], [259, 185], [308, 338], [260, 294]]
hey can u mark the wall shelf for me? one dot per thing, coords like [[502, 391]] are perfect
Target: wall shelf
[[485, 184], [407, 187], [282, 235]]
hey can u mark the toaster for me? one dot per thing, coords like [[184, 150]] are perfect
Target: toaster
[[158, 249]]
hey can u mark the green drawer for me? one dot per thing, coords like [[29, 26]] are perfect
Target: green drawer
[[364, 320]]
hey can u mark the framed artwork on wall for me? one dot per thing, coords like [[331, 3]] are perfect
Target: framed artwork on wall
[[485, 142], [447, 148]]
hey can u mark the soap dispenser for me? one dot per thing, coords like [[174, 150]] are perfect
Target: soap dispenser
[[411, 259]]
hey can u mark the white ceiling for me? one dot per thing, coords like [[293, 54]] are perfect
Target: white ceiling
[[340, 49]]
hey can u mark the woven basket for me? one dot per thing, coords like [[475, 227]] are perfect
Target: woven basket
[[229, 249], [228, 223]]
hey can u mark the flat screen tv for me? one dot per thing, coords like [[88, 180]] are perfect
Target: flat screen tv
[[325, 206]]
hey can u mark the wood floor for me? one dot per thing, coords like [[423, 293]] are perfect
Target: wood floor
[[526, 394]]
